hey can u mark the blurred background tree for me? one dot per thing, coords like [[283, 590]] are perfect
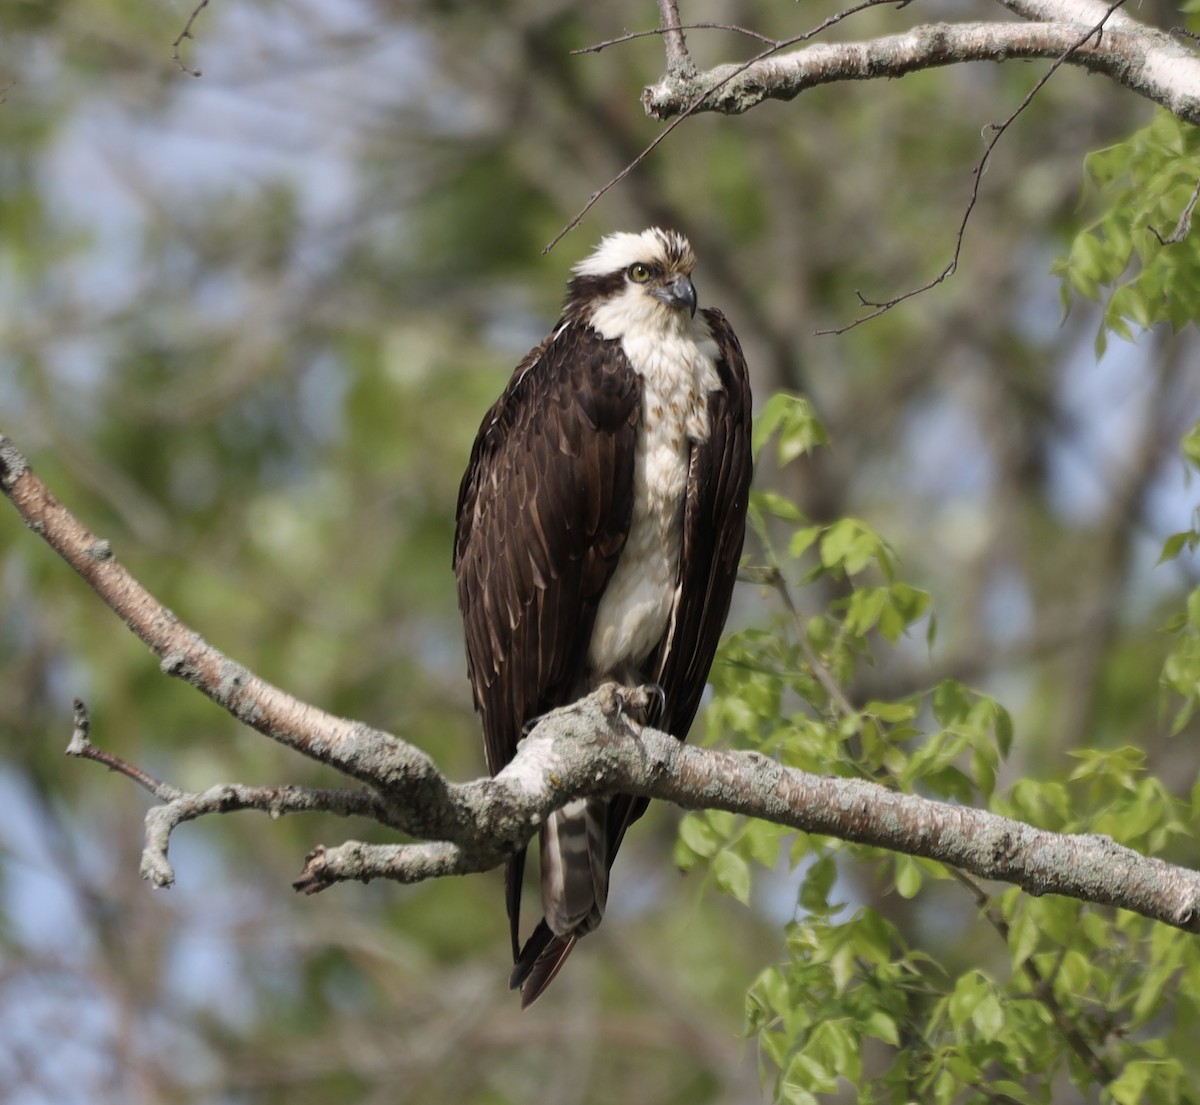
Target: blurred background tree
[[251, 321]]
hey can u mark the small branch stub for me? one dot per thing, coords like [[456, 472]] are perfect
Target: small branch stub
[[679, 61]]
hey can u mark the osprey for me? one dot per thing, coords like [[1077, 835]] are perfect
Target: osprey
[[600, 524]]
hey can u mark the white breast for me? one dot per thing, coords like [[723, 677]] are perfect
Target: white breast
[[678, 370]]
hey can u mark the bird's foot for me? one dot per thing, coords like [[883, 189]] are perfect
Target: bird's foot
[[531, 724], [645, 704]]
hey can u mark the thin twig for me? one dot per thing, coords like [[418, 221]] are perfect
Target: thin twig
[[187, 33], [82, 746], [822, 673], [997, 129], [179, 806], [1184, 227], [596, 196], [629, 36], [782, 44]]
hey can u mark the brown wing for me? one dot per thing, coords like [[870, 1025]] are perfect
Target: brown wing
[[543, 513], [714, 527]]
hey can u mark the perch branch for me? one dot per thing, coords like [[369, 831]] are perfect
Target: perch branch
[[593, 748], [179, 806], [590, 748]]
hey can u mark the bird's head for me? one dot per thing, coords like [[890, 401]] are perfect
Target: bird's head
[[634, 281]]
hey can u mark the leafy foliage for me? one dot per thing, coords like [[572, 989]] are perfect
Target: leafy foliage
[[1181, 669], [1101, 999], [1125, 256]]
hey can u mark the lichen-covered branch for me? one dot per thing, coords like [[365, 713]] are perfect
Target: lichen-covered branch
[[1143, 59], [592, 747]]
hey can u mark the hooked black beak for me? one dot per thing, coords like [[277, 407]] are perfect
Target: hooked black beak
[[681, 292]]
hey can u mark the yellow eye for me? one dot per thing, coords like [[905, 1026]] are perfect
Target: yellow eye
[[639, 273]]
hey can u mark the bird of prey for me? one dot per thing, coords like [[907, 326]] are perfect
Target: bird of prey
[[600, 524]]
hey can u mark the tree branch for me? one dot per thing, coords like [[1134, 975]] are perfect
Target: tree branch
[[679, 61], [179, 806], [1144, 60], [177, 45], [686, 110], [590, 748]]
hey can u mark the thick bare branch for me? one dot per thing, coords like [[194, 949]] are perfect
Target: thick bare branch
[[589, 748], [1147, 61], [592, 747]]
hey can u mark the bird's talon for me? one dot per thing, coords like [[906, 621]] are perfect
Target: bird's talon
[[531, 724]]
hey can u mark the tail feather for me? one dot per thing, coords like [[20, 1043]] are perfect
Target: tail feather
[[539, 961], [514, 872], [574, 861]]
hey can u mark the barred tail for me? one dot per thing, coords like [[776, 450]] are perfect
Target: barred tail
[[574, 847]]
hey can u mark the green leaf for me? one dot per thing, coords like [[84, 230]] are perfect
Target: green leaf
[[1144, 183], [802, 541], [1175, 544], [762, 841], [819, 880], [951, 702], [852, 545], [891, 711], [1131, 1085], [771, 502], [794, 420], [969, 990], [864, 608], [882, 1026], [988, 1016], [1023, 936], [1191, 445], [908, 877], [732, 875], [698, 835]]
